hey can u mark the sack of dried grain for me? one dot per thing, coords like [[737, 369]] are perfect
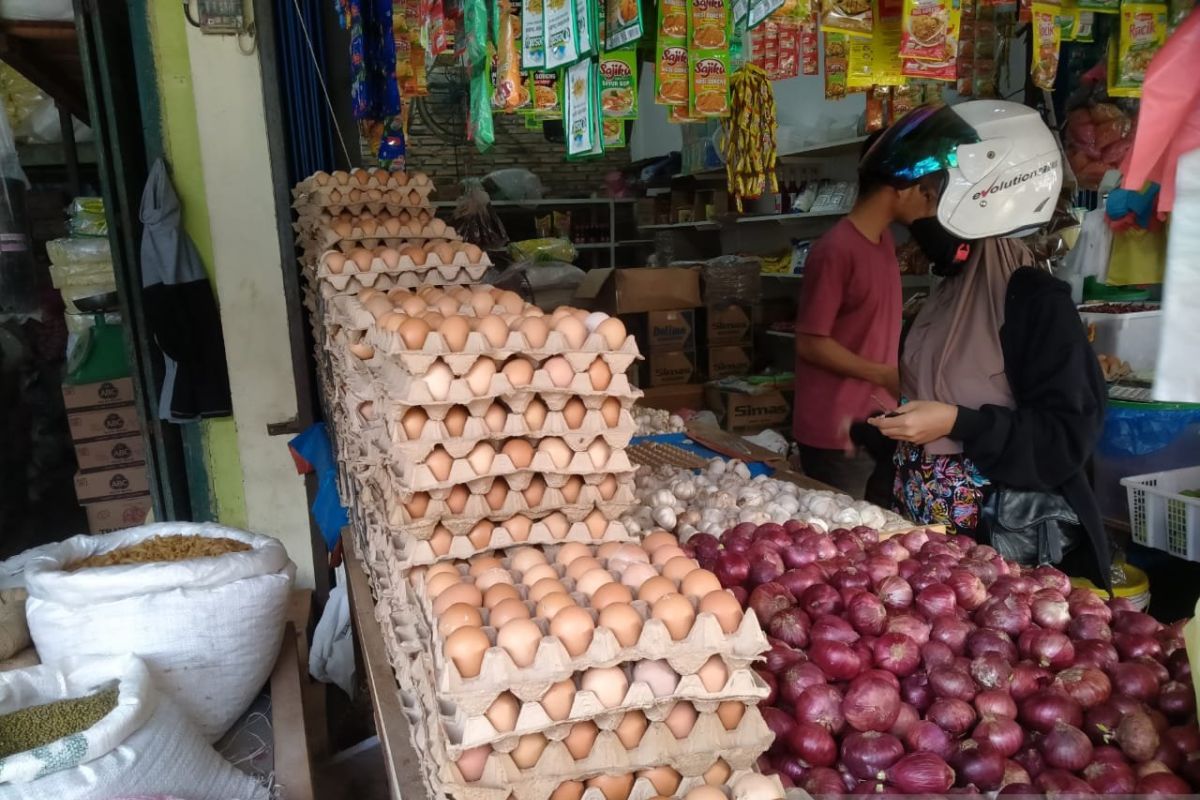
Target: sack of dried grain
[[14, 633], [113, 733], [208, 628]]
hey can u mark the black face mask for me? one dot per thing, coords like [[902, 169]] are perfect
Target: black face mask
[[948, 253]]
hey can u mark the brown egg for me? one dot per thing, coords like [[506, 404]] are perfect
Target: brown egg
[[552, 603], [679, 568], [573, 626], [414, 198], [528, 750], [456, 501], [569, 552], [455, 420], [534, 492], [511, 301], [433, 319], [613, 787], [480, 458], [413, 423], [481, 304], [560, 313], [479, 376], [335, 262], [730, 713], [537, 572], [378, 306], [631, 728], [520, 639], [713, 674], [559, 371], [573, 331], [613, 331], [436, 584], [456, 616], [519, 451], [724, 606], [593, 580], [657, 539], [442, 567], [391, 226], [413, 306], [569, 790], [599, 374], [535, 416], [699, 583], [655, 588], [607, 487], [681, 719], [472, 252], [535, 332], [492, 329], [439, 463], [482, 564], [518, 527], [580, 565], [661, 555], [624, 622], [440, 540], [573, 413], [608, 549], [665, 780], [558, 699], [495, 417], [438, 379], [362, 350], [609, 684], [506, 611], [610, 593], [677, 614], [714, 776], [599, 452], [473, 761], [522, 558], [459, 593], [493, 577], [559, 452], [444, 253], [637, 574], [580, 739], [497, 494], [624, 554], [545, 586], [557, 525], [389, 256], [454, 331], [362, 260], [503, 712], [519, 372], [571, 489], [465, 647], [498, 593]]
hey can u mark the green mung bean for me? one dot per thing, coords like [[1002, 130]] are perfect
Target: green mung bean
[[35, 726]]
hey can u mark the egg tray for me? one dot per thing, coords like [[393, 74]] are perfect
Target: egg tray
[[348, 283], [410, 236], [321, 233], [354, 192], [360, 178], [475, 430], [404, 263], [659, 454]]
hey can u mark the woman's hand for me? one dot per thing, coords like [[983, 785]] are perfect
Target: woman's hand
[[919, 422]]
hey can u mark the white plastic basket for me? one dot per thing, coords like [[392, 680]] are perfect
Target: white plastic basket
[[1160, 516]]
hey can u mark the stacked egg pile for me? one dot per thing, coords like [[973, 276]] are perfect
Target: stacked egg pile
[[604, 672]]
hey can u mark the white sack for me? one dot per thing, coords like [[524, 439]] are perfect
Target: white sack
[[143, 746], [331, 653], [37, 10], [208, 629]]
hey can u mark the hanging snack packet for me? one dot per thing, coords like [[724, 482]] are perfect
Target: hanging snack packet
[[672, 21], [506, 60], [930, 30], [836, 65], [679, 115], [579, 112], [562, 43], [886, 67], [1142, 32], [1100, 6], [547, 100], [789, 49], [708, 24], [859, 59], [1085, 25], [585, 26], [624, 22], [614, 133], [760, 10], [876, 115], [905, 99], [533, 35], [709, 90], [671, 76], [1047, 40], [618, 84], [810, 50], [851, 17]]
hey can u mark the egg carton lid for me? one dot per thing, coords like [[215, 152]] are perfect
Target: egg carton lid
[[476, 430], [361, 177], [453, 275]]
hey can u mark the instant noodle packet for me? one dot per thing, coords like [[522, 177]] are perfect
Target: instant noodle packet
[[547, 94], [672, 22], [533, 35], [836, 65], [929, 30], [708, 24], [562, 36]]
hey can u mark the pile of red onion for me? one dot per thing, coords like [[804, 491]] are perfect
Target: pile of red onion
[[926, 664]]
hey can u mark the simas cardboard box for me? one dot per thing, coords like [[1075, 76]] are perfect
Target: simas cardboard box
[[726, 325], [113, 515], [741, 412], [102, 393], [728, 362], [100, 423], [674, 398], [102, 453], [668, 368], [109, 484]]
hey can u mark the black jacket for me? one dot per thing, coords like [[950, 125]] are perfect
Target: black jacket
[[1045, 442]]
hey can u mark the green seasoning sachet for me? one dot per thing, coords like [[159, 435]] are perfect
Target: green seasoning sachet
[[624, 22], [618, 84], [562, 45]]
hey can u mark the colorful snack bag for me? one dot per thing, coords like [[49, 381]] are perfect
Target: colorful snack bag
[[709, 90], [562, 40], [810, 50], [886, 65], [876, 115], [579, 111], [506, 60], [624, 22], [680, 115], [708, 24], [930, 30], [853, 17], [672, 22], [585, 26], [671, 76], [761, 9], [1047, 41], [858, 63], [614, 133], [618, 84], [836, 65], [547, 95], [533, 35], [1143, 31], [789, 49]]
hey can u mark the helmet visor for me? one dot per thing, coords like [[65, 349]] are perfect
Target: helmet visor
[[920, 143]]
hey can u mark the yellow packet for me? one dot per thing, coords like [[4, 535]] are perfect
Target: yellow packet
[[836, 65], [851, 17], [1143, 31], [709, 90], [1047, 40], [708, 24], [885, 44], [860, 60]]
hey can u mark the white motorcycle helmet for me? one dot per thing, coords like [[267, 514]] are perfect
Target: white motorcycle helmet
[[1003, 166]]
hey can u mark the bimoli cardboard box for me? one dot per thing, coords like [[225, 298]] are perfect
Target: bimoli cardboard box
[[109, 484], [99, 423], [727, 325], [728, 362], [663, 331], [636, 289], [746, 413], [116, 452], [103, 393], [113, 515], [668, 368], [674, 398]]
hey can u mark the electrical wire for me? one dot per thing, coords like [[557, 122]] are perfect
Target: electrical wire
[[187, 14], [321, 79]]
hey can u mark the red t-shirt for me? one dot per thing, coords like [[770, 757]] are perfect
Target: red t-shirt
[[851, 292]]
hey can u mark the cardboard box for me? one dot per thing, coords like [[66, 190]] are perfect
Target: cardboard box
[[727, 325], [102, 423], [637, 289], [108, 484], [104, 393], [748, 413], [113, 515], [728, 362], [661, 331], [115, 452], [670, 368], [674, 398]]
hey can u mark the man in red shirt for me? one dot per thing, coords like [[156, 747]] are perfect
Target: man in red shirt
[[848, 332]]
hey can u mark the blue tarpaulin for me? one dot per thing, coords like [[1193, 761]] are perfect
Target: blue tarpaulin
[[313, 450]]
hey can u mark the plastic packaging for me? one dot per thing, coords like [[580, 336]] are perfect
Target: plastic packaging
[[475, 219], [79, 250], [86, 217], [543, 250], [515, 183], [732, 279]]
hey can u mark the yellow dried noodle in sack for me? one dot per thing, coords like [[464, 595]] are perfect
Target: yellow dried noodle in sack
[[750, 135], [163, 548]]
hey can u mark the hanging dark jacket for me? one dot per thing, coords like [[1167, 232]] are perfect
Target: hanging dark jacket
[[180, 309], [1044, 443]]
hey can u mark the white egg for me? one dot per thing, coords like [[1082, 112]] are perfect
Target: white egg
[[593, 320]]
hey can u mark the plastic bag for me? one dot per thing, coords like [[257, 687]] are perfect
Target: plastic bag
[[515, 183], [86, 217], [475, 219], [543, 250], [79, 250]]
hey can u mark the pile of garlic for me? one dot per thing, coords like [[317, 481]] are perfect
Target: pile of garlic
[[656, 420], [724, 495]]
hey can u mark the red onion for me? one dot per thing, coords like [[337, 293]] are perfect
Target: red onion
[[781, 656], [1000, 733], [1060, 783], [772, 686], [1090, 607], [820, 599], [781, 724], [732, 568], [921, 773], [1027, 679], [771, 531], [836, 659], [769, 599], [1135, 680], [1136, 645], [1043, 709], [991, 671], [926, 736], [1014, 773], [866, 755], [951, 631], [895, 592], [986, 640], [866, 613], [740, 594], [871, 704], [1109, 777], [908, 568], [1108, 753], [850, 579], [905, 719], [978, 765], [798, 677], [823, 706], [916, 691], [952, 682], [813, 743], [1160, 672], [1088, 626], [1101, 721], [828, 628], [1179, 666], [883, 674], [968, 588], [1087, 686], [1011, 615], [789, 768], [1052, 614], [799, 555], [790, 626], [1095, 653], [1030, 759], [1066, 747], [928, 574], [1052, 649], [1162, 784], [897, 654], [913, 541], [954, 716], [1052, 578], [1168, 755], [1185, 738], [819, 544], [1137, 736], [935, 599], [1135, 622], [823, 781], [880, 567], [1171, 643], [996, 703], [910, 626], [936, 654], [799, 578]]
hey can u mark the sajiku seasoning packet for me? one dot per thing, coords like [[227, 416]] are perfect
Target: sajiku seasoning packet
[[618, 84], [624, 22], [671, 75], [709, 95]]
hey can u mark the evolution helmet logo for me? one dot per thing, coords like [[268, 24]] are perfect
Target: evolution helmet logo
[[1016, 180]]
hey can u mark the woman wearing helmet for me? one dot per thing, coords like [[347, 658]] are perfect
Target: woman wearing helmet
[[1005, 398]]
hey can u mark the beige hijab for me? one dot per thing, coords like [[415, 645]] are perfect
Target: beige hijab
[[952, 353]]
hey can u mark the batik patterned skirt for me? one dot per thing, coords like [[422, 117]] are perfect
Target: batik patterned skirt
[[938, 490]]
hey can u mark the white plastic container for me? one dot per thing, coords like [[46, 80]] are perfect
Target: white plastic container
[[1131, 337], [1160, 516]]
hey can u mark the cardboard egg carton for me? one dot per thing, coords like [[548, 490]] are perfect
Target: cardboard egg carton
[[475, 430], [370, 178], [410, 193], [451, 275], [390, 261]]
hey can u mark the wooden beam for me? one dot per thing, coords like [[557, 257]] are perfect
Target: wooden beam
[[293, 769]]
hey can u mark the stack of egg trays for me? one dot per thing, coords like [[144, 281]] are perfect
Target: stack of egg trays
[[404, 273], [360, 190], [318, 233]]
